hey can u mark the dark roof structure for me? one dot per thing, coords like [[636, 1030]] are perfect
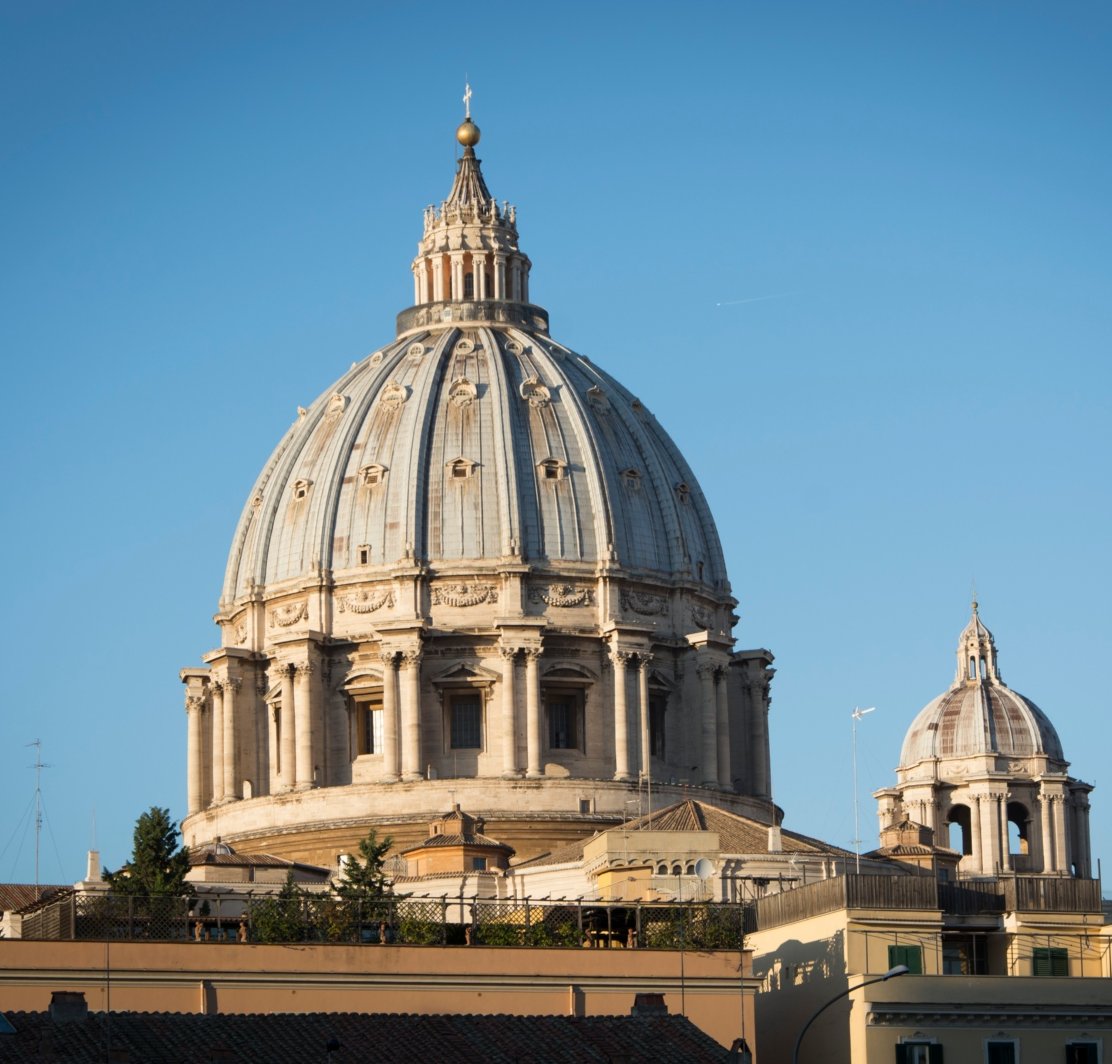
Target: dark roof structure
[[17, 896], [77, 1037]]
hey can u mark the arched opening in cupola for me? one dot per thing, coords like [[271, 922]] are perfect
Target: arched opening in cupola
[[960, 839], [1019, 825]]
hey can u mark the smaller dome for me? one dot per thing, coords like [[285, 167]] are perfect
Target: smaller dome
[[979, 714]]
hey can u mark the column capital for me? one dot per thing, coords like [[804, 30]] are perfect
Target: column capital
[[303, 668], [389, 657], [621, 656], [706, 670], [411, 656], [508, 653], [232, 683], [532, 653], [644, 661], [194, 703]]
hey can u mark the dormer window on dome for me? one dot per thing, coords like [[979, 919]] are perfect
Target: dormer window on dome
[[552, 468], [373, 474], [461, 468]]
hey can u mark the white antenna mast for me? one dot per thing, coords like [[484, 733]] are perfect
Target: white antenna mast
[[857, 714], [38, 766]]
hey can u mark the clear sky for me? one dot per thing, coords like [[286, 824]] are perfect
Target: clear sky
[[855, 257]]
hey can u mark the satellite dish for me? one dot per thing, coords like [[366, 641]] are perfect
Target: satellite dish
[[704, 869]]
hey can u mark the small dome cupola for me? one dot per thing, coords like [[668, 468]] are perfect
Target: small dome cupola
[[977, 653], [469, 252]]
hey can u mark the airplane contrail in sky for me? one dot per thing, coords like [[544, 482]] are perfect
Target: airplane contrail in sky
[[753, 299]]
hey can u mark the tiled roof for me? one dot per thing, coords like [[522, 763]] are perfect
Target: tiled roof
[[470, 839], [249, 860], [16, 896], [168, 1038]]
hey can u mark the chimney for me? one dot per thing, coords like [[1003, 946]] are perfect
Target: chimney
[[68, 1006], [649, 1005], [92, 868], [775, 843]]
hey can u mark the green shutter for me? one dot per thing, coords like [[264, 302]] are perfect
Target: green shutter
[[910, 956], [1050, 961]]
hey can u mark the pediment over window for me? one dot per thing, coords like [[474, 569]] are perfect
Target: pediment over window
[[465, 673], [363, 680], [461, 468], [568, 673]]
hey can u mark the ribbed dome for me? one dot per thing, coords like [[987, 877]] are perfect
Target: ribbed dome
[[980, 718], [979, 714], [474, 443]]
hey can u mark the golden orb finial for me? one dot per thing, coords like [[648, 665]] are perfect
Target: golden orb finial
[[467, 133]]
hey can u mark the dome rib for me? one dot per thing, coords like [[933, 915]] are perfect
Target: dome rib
[[509, 502]]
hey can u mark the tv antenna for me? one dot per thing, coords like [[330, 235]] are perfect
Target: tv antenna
[[38, 766], [857, 714]]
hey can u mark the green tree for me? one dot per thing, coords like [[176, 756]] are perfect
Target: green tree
[[364, 891], [158, 863], [280, 918], [363, 877]]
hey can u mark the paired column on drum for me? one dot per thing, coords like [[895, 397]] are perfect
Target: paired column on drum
[[510, 767], [194, 709], [533, 724], [622, 658], [411, 713], [711, 667], [390, 764]]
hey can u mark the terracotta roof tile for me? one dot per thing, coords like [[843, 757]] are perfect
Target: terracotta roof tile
[[16, 896], [165, 1038]]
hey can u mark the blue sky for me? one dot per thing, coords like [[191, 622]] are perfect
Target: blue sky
[[209, 213]]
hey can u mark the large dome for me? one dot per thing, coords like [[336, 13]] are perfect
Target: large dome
[[474, 444], [475, 570]]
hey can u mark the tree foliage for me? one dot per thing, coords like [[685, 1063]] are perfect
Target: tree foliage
[[363, 877], [158, 863], [281, 918]]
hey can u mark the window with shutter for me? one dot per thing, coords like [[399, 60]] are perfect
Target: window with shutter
[[909, 956], [1000, 1053], [1052, 960], [918, 1053], [1082, 1053]]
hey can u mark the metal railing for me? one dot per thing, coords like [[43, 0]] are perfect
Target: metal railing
[[324, 918]]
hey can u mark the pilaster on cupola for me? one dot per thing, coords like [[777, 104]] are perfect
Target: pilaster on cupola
[[469, 250]]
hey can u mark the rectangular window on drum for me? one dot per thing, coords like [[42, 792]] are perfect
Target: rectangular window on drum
[[466, 726]]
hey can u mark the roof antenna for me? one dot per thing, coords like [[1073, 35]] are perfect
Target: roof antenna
[[38, 766], [857, 714]]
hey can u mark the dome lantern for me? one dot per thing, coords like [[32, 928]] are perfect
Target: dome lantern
[[469, 265]]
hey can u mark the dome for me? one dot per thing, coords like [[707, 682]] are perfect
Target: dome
[[979, 714], [980, 718], [474, 570], [473, 443]]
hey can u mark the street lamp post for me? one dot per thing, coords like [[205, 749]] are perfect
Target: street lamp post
[[899, 969]]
